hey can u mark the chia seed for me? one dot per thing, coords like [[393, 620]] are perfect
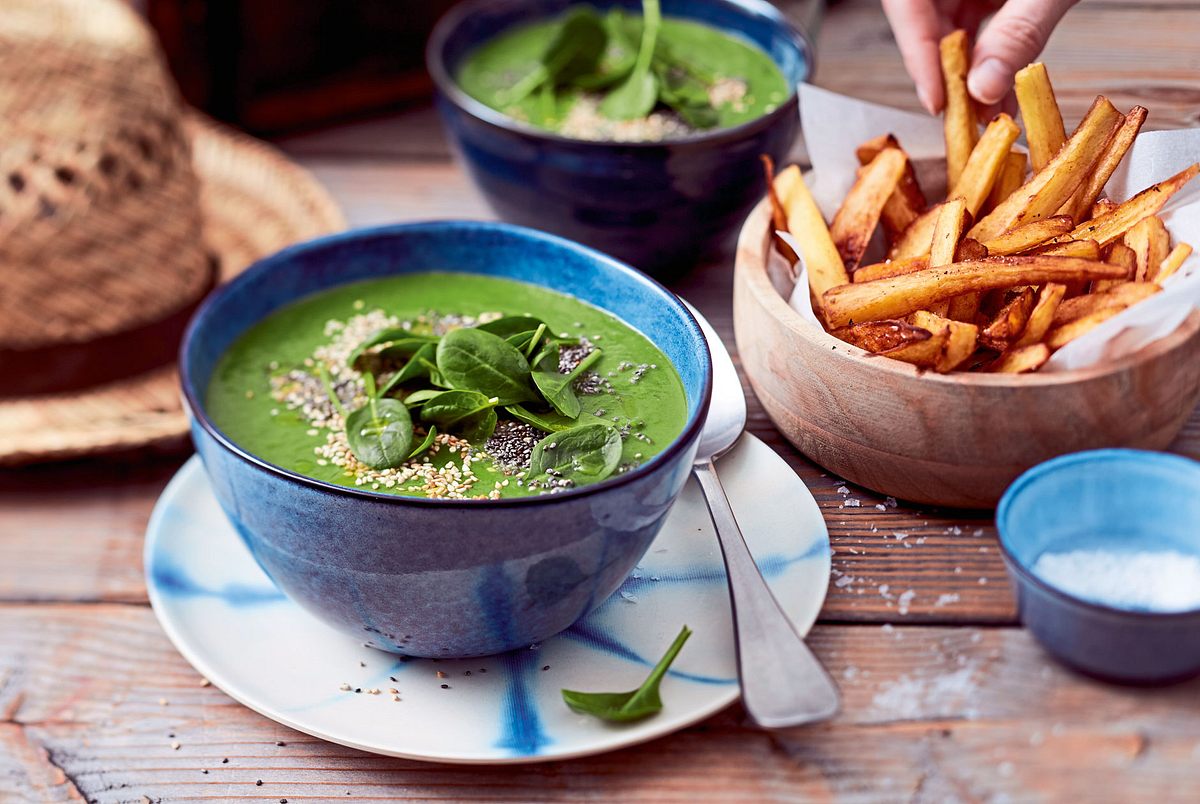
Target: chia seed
[[511, 445]]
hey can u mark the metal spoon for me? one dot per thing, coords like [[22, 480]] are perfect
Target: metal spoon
[[783, 683]]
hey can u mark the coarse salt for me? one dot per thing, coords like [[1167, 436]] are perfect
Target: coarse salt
[[1159, 580]]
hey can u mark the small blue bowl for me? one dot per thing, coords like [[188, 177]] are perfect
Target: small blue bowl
[[658, 206], [1122, 500], [444, 578]]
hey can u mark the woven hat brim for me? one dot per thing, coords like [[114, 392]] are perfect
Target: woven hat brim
[[255, 201]]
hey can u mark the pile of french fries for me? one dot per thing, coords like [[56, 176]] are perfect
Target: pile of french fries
[[1014, 264]]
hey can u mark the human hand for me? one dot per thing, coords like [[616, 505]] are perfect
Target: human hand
[[1013, 38]]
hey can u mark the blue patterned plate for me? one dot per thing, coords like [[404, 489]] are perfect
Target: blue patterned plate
[[228, 619]]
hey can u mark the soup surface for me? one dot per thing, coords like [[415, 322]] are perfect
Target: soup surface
[[447, 385], [697, 78]]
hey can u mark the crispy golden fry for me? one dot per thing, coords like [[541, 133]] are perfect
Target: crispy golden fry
[[1059, 337], [858, 216], [775, 191], [968, 249], [807, 225], [1012, 176], [880, 336], [1043, 121], [1007, 325], [907, 201], [952, 220], [1122, 255], [1118, 297], [1020, 361], [1093, 185], [1049, 188], [1084, 249], [986, 162], [898, 296], [1042, 317], [916, 239], [1173, 261], [1150, 243], [1116, 222], [958, 120], [1029, 235], [1102, 207], [959, 345], [925, 354]]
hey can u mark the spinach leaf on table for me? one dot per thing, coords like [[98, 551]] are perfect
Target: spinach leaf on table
[[467, 414], [380, 432], [623, 707], [586, 453], [557, 388], [636, 95], [548, 422], [474, 360]]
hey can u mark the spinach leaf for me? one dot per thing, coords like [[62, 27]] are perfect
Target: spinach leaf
[[549, 422], [555, 387], [623, 707], [586, 453], [636, 95], [380, 432], [323, 373], [474, 360], [511, 325], [424, 445], [406, 347], [620, 53], [575, 50], [416, 368], [421, 396], [467, 414], [385, 336], [685, 94]]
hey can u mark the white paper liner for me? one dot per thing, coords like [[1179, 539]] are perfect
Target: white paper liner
[[834, 125]]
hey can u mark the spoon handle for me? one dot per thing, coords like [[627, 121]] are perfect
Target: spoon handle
[[783, 683]]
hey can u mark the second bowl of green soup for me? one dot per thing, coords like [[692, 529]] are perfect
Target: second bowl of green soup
[[634, 127], [451, 439]]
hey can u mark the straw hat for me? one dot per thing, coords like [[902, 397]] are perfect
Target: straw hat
[[119, 210]]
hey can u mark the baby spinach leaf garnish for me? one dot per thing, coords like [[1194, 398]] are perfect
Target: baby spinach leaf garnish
[[636, 95], [555, 387], [510, 325], [623, 707], [467, 414], [389, 335], [686, 94], [323, 373], [474, 360], [380, 432], [534, 339], [425, 444], [586, 453], [620, 53], [416, 367], [548, 422], [575, 50], [421, 396]]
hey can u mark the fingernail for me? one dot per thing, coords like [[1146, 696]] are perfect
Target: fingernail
[[926, 101], [989, 81]]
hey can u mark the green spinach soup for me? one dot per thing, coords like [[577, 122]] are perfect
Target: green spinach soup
[[621, 76], [449, 386]]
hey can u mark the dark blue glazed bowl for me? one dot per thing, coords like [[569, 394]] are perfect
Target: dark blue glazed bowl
[[658, 206], [444, 578], [1117, 499]]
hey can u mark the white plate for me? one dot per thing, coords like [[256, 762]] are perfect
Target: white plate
[[228, 619]]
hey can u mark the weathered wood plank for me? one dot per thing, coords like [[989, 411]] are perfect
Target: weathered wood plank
[[26, 771], [929, 712]]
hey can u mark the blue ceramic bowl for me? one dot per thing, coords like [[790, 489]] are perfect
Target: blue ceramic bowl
[[1115, 499], [444, 578], [658, 206]]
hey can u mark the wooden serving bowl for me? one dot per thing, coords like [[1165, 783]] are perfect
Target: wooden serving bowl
[[943, 439]]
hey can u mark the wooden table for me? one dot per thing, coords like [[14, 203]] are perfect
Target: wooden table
[[945, 699]]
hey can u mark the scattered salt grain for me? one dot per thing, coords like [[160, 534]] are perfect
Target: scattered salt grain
[[880, 507], [905, 599], [843, 581], [629, 597], [843, 490], [946, 600], [853, 503], [1162, 580]]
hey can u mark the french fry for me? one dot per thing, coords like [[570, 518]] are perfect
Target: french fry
[[821, 258], [1113, 224], [1059, 337], [1049, 188], [1020, 361], [1150, 243], [1173, 262], [1042, 317], [880, 336], [897, 296], [1119, 297], [1043, 121], [916, 239], [986, 161], [777, 188], [1029, 235], [958, 121], [1102, 206], [1122, 255], [1084, 249], [1007, 325], [953, 218], [968, 249], [907, 201], [925, 354], [1012, 176], [960, 343], [858, 216], [1093, 185]]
